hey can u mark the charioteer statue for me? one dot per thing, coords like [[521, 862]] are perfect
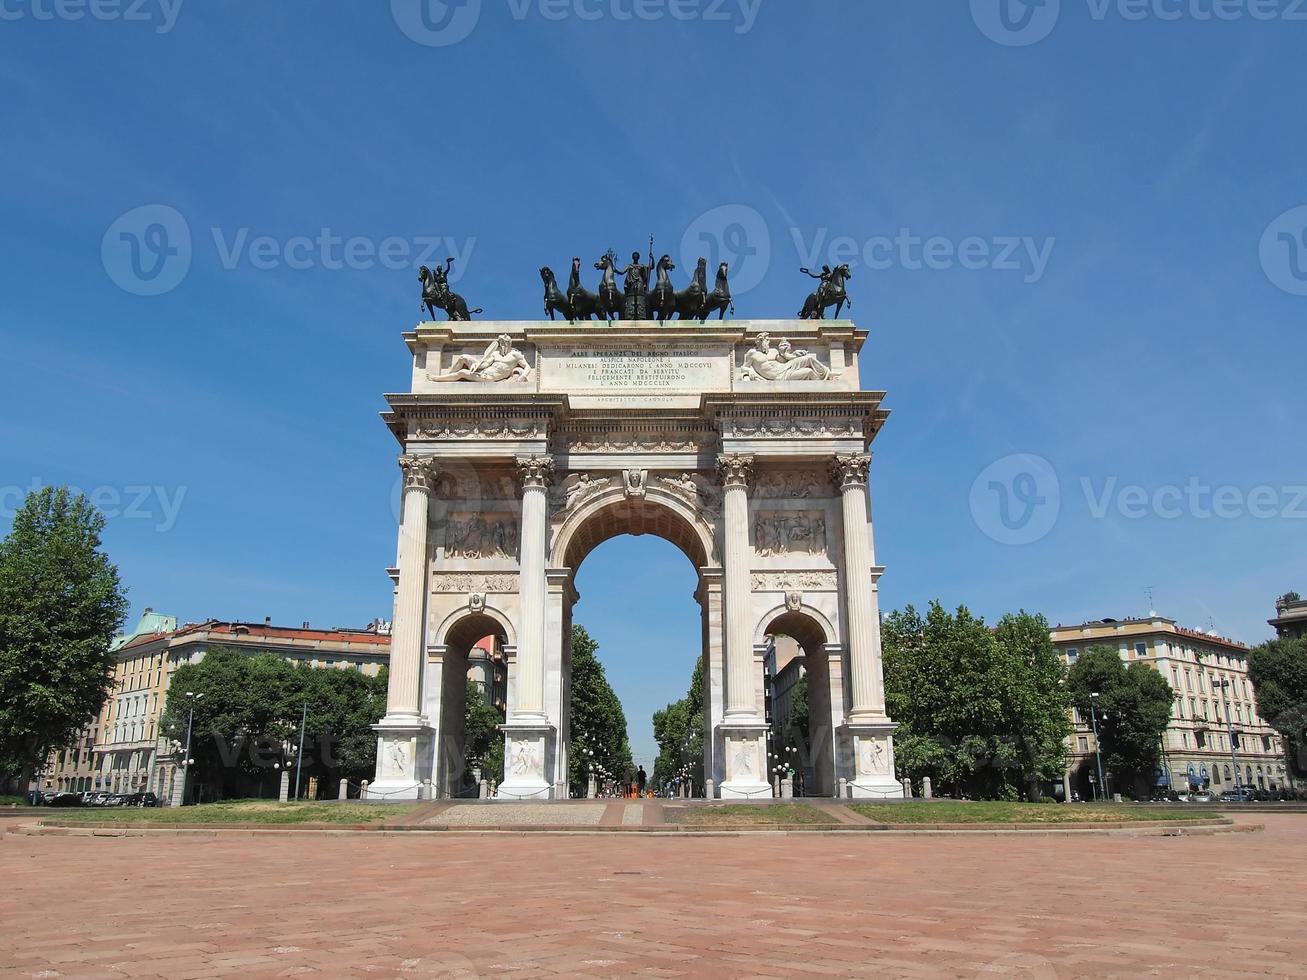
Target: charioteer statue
[[831, 292]]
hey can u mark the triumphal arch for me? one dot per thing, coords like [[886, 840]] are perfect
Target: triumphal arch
[[526, 444]]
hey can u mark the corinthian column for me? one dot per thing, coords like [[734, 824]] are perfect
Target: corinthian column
[[735, 471], [537, 473], [407, 631], [849, 473]]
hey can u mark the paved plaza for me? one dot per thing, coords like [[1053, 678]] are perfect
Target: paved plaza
[[418, 905]]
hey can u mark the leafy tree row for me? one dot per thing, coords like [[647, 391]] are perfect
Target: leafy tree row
[[678, 730], [598, 721], [246, 723]]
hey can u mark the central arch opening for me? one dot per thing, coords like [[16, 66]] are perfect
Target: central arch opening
[[636, 577]]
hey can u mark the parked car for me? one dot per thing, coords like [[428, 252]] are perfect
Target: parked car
[[147, 799], [65, 799], [1202, 796]]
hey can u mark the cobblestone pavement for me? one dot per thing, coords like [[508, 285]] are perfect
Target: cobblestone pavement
[[418, 905]]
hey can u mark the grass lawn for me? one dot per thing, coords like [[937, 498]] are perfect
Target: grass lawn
[[11, 800], [747, 815], [243, 811], [947, 811]]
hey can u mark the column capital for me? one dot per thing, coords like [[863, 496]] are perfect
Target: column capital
[[735, 470], [419, 472], [850, 471], [535, 472]]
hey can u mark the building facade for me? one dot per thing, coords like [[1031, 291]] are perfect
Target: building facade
[[1216, 738], [123, 750]]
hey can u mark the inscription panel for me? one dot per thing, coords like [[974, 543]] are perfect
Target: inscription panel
[[601, 368]]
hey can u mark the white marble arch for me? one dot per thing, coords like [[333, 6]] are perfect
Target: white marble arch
[[602, 517], [823, 746], [444, 687]]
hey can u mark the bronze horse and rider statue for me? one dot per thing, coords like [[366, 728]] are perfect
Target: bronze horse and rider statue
[[436, 293]]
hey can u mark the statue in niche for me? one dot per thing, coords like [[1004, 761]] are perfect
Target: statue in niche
[[762, 363], [500, 362]]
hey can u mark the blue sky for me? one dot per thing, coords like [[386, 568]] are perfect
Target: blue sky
[[1095, 365]]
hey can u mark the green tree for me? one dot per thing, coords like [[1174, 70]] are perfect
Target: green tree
[[247, 716], [678, 730], [1278, 670], [981, 711], [598, 721], [60, 605], [1133, 708], [484, 745], [796, 725]]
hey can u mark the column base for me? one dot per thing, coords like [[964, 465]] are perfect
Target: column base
[[743, 745], [526, 749], [404, 754], [872, 748]]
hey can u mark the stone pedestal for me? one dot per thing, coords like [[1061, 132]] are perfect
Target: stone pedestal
[[284, 794], [343, 792], [744, 751], [526, 749], [403, 751], [873, 762]]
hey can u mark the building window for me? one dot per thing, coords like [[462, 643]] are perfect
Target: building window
[[1175, 677], [1141, 649], [1072, 655], [1185, 737]]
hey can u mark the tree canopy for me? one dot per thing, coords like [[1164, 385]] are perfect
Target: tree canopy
[[678, 730], [1133, 706], [598, 721], [60, 605], [982, 712], [247, 722], [1278, 670], [484, 744]]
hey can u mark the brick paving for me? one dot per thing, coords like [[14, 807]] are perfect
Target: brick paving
[[420, 905]]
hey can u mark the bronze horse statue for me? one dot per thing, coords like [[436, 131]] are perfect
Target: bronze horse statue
[[690, 301], [609, 304], [436, 294], [554, 298], [584, 304], [719, 300], [831, 292], [662, 298]]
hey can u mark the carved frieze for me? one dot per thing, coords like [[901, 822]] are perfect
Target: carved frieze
[[472, 583], [479, 537], [763, 362], [795, 485], [793, 581], [577, 488], [873, 757], [495, 427], [782, 532], [788, 426], [670, 438]]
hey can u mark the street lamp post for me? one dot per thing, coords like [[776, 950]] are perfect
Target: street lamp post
[[1098, 746], [299, 755], [191, 698], [1224, 684]]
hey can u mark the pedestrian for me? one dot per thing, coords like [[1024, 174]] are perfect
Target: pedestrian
[[640, 778]]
